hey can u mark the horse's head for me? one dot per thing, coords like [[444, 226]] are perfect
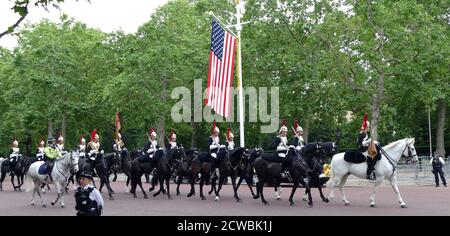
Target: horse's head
[[410, 150], [222, 152]]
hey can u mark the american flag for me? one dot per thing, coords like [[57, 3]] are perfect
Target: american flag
[[221, 69]]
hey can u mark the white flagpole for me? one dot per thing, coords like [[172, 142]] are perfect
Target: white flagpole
[[241, 94]]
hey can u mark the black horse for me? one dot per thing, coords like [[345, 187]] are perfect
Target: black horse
[[101, 165], [183, 169], [141, 165], [228, 163], [19, 171], [270, 172], [202, 164], [314, 156]]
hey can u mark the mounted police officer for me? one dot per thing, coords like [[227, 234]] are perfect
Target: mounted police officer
[[437, 162], [151, 145], [40, 150], [298, 140], [172, 141], [14, 155], [281, 146], [364, 141], [95, 150], [229, 142], [82, 147], [51, 152], [89, 201]]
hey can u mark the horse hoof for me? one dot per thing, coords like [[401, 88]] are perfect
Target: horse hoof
[[347, 204], [145, 196], [373, 205], [111, 198], [178, 194], [255, 197], [44, 205], [203, 198], [134, 196], [292, 204], [278, 198], [151, 189], [53, 203], [209, 193], [216, 199], [63, 206], [266, 203], [163, 191], [326, 200], [238, 200], [32, 203], [310, 204], [170, 198], [404, 206]]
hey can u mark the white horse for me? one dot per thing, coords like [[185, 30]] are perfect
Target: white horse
[[384, 169], [60, 175]]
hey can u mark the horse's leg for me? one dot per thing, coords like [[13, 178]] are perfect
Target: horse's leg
[[325, 199], [278, 192], [393, 181], [168, 186], [192, 180], [374, 192], [217, 190], [179, 180], [160, 179], [233, 182], [2, 178], [308, 190], [115, 176], [260, 187], [341, 188], [39, 193], [294, 188], [334, 182], [139, 182], [202, 181], [108, 186], [154, 181], [102, 183], [127, 184], [213, 184], [35, 189], [12, 181], [58, 193]]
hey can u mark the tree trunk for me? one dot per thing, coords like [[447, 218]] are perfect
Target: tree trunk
[[50, 129], [194, 127], [377, 98], [64, 126], [28, 145], [440, 147], [162, 136], [306, 130]]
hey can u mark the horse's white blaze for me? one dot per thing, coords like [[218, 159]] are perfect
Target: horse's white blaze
[[340, 169]]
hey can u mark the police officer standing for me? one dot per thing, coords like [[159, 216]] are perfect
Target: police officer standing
[[89, 201], [437, 162]]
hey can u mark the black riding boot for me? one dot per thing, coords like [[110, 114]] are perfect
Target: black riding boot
[[370, 169]]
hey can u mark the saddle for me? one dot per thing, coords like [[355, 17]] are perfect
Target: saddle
[[354, 157], [205, 157], [272, 158], [45, 169]]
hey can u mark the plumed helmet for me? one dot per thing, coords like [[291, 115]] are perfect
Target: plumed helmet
[[283, 126]]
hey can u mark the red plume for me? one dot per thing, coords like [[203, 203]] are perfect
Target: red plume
[[81, 138], [364, 124], [214, 125], [228, 133], [94, 132], [150, 131], [295, 124], [283, 122]]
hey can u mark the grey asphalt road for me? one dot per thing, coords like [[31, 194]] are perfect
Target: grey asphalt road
[[424, 200]]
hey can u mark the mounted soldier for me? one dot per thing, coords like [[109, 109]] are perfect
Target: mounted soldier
[[281, 146], [82, 147], [60, 144], [229, 142], [365, 143], [172, 141], [298, 140], [151, 145], [40, 150], [118, 144], [14, 154], [95, 150]]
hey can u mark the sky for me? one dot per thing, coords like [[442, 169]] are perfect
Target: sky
[[106, 15]]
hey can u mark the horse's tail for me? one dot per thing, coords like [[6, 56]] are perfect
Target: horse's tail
[[332, 175], [29, 183]]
